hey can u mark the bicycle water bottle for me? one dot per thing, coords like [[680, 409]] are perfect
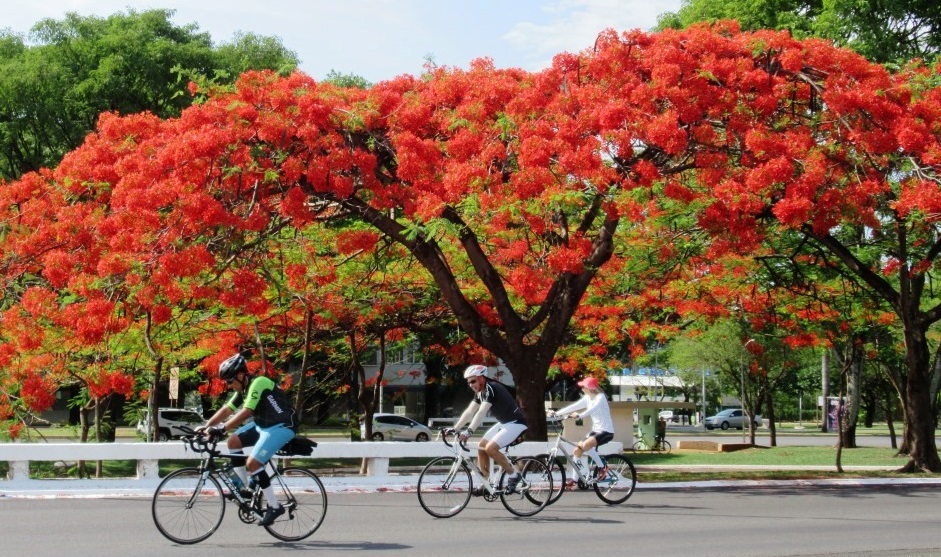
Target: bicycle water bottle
[[229, 471]]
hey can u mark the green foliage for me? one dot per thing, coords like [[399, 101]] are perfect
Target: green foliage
[[347, 80], [886, 32], [53, 88], [248, 51]]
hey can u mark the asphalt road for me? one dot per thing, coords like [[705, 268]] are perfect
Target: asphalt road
[[797, 520]]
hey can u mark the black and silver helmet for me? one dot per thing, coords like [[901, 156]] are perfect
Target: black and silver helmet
[[232, 367]]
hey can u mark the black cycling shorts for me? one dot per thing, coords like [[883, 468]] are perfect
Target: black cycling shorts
[[602, 437]]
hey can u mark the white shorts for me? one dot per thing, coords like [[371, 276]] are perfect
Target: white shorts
[[504, 434]]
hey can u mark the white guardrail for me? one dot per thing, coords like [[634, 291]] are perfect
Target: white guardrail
[[147, 455]]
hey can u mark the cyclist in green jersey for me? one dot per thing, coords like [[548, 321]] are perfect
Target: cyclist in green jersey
[[260, 398]]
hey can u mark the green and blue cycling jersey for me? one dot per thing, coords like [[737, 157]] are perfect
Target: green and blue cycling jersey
[[269, 404]]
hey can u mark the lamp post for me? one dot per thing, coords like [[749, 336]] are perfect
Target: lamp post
[[703, 417], [744, 413], [800, 410]]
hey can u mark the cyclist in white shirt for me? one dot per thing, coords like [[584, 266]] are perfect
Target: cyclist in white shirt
[[595, 404]]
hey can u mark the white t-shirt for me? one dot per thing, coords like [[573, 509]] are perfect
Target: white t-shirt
[[596, 407]]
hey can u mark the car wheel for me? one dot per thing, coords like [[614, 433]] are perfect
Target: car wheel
[[163, 435], [378, 436], [725, 426], [422, 436]]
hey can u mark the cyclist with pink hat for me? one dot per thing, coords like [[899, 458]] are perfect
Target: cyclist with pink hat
[[595, 404]]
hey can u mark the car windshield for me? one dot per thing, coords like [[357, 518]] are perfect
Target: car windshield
[[183, 416]]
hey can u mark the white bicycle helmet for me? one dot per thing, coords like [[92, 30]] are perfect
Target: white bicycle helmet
[[475, 371]]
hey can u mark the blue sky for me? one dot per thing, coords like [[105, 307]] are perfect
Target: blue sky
[[379, 39]]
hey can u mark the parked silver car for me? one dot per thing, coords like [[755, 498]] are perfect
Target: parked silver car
[[392, 427], [731, 417]]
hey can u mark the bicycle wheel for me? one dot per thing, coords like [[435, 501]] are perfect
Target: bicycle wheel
[[534, 490], [665, 447], [186, 507], [302, 494], [444, 487], [639, 446], [557, 470], [618, 484]]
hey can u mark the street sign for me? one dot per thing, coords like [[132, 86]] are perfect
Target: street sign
[[174, 383]]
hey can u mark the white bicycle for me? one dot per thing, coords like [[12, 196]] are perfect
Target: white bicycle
[[615, 487], [446, 484]]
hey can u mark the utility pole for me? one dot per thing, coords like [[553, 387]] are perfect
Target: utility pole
[[825, 386]]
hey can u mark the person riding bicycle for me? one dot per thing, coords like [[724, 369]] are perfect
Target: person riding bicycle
[[492, 396], [273, 427], [595, 404]]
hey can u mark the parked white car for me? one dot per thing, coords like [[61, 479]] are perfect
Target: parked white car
[[732, 417], [169, 421], [392, 427]]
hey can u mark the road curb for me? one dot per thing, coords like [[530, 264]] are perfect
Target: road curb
[[103, 489]]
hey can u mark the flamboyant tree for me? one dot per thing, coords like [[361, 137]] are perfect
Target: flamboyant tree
[[854, 149], [510, 187]]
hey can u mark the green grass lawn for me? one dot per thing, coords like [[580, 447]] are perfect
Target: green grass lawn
[[774, 456]]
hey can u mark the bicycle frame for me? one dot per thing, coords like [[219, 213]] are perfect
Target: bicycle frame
[[189, 504], [461, 459], [208, 467], [613, 487], [447, 483], [560, 445]]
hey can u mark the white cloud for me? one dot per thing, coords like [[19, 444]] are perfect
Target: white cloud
[[575, 24]]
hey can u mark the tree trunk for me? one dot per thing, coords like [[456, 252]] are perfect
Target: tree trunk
[[99, 472], [300, 401], [850, 414], [772, 428], [434, 371], [530, 393], [919, 415], [890, 420], [869, 409]]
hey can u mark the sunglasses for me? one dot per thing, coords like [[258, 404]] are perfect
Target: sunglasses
[[472, 381]]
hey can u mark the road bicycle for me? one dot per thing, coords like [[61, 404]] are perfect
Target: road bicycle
[[647, 444], [189, 504], [446, 484], [615, 487]]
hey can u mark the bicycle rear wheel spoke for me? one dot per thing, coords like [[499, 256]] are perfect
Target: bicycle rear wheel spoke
[[186, 508], [534, 490], [619, 483], [444, 487], [302, 494]]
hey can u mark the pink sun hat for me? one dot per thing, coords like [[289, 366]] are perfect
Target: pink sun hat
[[589, 383]]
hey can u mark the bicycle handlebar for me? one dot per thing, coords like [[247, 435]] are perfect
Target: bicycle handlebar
[[201, 443], [446, 432]]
